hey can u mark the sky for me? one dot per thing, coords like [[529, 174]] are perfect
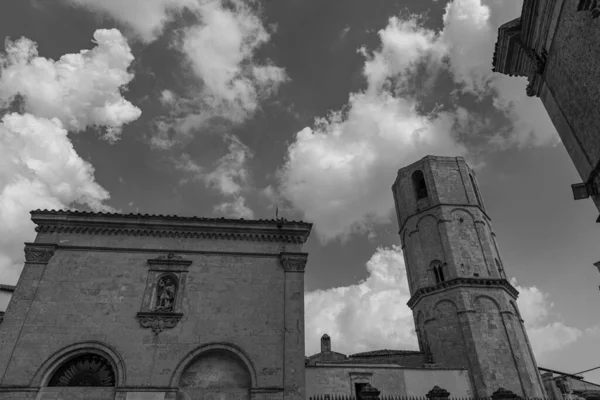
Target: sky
[[237, 107]]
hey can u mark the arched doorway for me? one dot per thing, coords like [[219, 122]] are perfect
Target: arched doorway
[[217, 374]]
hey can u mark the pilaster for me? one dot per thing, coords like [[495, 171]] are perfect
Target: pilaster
[[293, 352], [37, 257]]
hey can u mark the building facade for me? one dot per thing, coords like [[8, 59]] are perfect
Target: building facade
[[555, 44], [393, 372], [112, 306], [465, 311]]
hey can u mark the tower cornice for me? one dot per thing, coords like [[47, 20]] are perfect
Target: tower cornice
[[462, 282]]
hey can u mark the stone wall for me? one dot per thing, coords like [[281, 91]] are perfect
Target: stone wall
[[237, 296], [390, 380]]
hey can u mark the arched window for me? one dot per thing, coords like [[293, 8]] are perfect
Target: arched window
[[84, 370], [438, 272], [166, 291], [476, 190], [419, 185]]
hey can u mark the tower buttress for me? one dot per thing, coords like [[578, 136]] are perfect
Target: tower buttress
[[465, 310]]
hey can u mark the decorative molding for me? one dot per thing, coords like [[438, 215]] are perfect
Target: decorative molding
[[462, 282], [85, 370], [593, 6], [38, 254], [158, 321], [294, 262], [103, 230], [1, 316], [169, 262]]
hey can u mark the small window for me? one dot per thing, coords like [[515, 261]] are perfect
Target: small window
[[438, 272], [476, 190], [419, 185]]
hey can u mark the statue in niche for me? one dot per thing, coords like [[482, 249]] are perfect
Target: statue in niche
[[165, 300]]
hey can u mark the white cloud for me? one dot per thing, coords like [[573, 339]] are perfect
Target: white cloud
[[38, 169], [221, 52], [339, 173], [79, 89], [236, 208], [145, 18], [358, 317], [220, 49], [231, 174], [545, 335], [230, 177], [470, 33]]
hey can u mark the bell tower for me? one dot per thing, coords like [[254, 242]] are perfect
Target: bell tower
[[465, 310]]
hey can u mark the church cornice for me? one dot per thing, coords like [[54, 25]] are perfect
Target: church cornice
[[144, 225], [462, 282]]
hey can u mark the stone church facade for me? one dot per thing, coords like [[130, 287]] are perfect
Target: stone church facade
[[141, 307], [555, 45], [113, 306]]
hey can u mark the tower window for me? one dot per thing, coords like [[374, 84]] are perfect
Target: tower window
[[438, 272], [418, 180], [475, 190]]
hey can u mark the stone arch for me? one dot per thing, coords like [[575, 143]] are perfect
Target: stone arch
[[419, 184], [425, 217], [477, 299], [437, 305], [515, 310], [53, 363], [213, 347]]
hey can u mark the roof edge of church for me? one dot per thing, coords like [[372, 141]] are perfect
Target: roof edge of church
[[384, 352], [7, 288]]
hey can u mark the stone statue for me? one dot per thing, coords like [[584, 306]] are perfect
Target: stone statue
[[166, 294]]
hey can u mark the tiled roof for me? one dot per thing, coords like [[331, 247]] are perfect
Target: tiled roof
[[168, 217], [7, 288], [384, 352]]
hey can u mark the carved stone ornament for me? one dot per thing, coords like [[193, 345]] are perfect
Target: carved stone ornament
[[158, 321], [170, 256], [294, 262], [593, 6], [38, 254], [437, 393]]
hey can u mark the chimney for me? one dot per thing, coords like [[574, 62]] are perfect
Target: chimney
[[325, 344]]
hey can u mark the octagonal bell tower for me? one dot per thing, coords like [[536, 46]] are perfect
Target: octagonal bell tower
[[465, 310]]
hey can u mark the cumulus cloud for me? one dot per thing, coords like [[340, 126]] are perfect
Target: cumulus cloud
[[146, 19], [469, 35], [358, 317], [39, 167], [220, 49], [80, 90], [230, 177], [340, 171]]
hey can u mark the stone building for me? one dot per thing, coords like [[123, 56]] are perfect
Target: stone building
[[555, 44], [153, 307], [392, 372], [563, 386], [464, 308]]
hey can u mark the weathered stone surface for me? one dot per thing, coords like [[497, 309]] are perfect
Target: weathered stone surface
[[236, 293], [469, 319]]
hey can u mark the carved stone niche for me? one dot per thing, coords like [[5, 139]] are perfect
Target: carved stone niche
[[165, 290]]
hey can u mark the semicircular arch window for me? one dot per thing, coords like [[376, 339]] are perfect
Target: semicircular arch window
[[84, 370]]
